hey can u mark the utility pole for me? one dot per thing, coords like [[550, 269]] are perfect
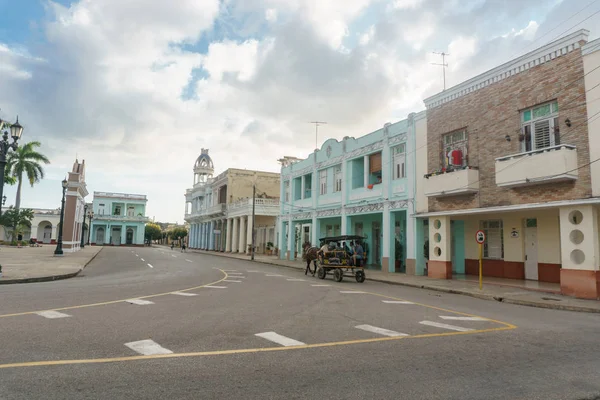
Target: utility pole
[[253, 218], [443, 65], [317, 123]]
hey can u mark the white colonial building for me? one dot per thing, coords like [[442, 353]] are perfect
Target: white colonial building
[[219, 209]]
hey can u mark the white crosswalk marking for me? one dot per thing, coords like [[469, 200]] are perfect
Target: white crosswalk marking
[[173, 255], [279, 339], [229, 280], [139, 302], [253, 271], [397, 302], [230, 270], [184, 294], [234, 273], [150, 265], [142, 259], [216, 287], [349, 291], [296, 280], [274, 275], [52, 314], [381, 331], [188, 260], [147, 347], [137, 255], [463, 318], [320, 285], [446, 326]]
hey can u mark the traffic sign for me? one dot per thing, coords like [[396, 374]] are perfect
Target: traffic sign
[[480, 237]]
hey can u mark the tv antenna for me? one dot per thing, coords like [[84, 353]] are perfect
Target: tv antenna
[[317, 123], [443, 65]]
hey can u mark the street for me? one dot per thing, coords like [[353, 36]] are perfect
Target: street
[[154, 323]]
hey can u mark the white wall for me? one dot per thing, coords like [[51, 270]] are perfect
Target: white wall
[[591, 61]]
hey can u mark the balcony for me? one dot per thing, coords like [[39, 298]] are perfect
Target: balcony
[[552, 164], [269, 207], [217, 209], [457, 182], [121, 218]]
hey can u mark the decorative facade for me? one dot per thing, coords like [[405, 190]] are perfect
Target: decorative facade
[[44, 227], [513, 152], [363, 186], [74, 213], [219, 209], [119, 219]]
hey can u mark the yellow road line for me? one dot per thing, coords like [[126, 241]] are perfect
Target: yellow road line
[[104, 303], [239, 351]]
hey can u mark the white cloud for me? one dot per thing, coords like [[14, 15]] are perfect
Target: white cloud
[[271, 15], [400, 4]]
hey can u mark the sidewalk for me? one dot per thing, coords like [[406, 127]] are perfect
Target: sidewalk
[[38, 264], [516, 294]]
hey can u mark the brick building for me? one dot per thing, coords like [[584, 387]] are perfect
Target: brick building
[[74, 208], [512, 152]]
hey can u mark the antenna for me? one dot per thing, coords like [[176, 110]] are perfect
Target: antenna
[[317, 123], [443, 65]]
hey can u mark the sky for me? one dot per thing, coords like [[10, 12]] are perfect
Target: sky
[[137, 88]]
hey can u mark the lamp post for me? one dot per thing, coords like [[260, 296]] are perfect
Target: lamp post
[[253, 218], [83, 227], [90, 218], [59, 250], [15, 131]]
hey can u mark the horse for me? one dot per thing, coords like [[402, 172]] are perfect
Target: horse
[[311, 254]]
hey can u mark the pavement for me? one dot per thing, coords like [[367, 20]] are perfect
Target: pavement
[[153, 323], [38, 264], [490, 291]]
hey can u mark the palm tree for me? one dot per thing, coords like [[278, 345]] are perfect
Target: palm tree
[[26, 160]]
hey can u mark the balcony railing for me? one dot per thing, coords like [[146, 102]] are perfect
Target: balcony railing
[[107, 217], [456, 182], [217, 209], [551, 164], [248, 202]]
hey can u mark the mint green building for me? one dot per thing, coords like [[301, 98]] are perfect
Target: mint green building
[[119, 219], [364, 186]]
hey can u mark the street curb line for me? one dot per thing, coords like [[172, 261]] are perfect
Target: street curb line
[[488, 297], [48, 278]]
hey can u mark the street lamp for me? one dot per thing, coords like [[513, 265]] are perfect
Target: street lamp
[[83, 226], [59, 250], [15, 131], [90, 218]]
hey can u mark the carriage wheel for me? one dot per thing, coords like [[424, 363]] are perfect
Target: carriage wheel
[[360, 276], [321, 273], [338, 275]]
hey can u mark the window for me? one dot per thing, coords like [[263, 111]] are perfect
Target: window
[[337, 171], [286, 186], [323, 181], [539, 127], [375, 168], [297, 188], [358, 229], [130, 211], [455, 149], [493, 247], [358, 172], [399, 161], [307, 186], [328, 230], [118, 210]]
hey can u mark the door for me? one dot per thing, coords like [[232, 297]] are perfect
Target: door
[[115, 237], [376, 243], [100, 236], [47, 234], [531, 253], [306, 235], [129, 237]]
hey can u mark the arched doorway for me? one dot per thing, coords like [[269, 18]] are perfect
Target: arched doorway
[[129, 236], [44, 232], [100, 236]]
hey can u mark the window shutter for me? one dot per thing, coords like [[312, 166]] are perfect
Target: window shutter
[[375, 163], [542, 134]]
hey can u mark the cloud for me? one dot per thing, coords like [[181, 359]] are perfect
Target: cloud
[[137, 88]]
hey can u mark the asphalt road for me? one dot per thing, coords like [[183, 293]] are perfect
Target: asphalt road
[[152, 323]]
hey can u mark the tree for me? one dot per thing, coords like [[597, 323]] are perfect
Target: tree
[[15, 218], [177, 233], [152, 232], [26, 160]]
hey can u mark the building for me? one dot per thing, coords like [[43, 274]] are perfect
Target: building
[[363, 186], [119, 219], [513, 152], [44, 227], [219, 209], [74, 213]]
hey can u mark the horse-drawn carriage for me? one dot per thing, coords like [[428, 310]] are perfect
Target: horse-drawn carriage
[[337, 261]]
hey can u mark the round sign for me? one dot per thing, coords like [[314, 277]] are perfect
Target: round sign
[[480, 237]]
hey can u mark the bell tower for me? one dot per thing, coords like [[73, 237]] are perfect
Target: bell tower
[[203, 168]]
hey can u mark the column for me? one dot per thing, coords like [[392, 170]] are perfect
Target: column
[[211, 237], [192, 236], [415, 257], [387, 259], [580, 252], [419, 243], [224, 234], [198, 226], [203, 236], [440, 248], [228, 237], [281, 239], [242, 235], [235, 239], [290, 240], [344, 227], [366, 170], [123, 233], [314, 230], [205, 229], [386, 169], [249, 233]]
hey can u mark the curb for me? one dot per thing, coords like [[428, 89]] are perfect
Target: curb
[[488, 297], [48, 278]]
